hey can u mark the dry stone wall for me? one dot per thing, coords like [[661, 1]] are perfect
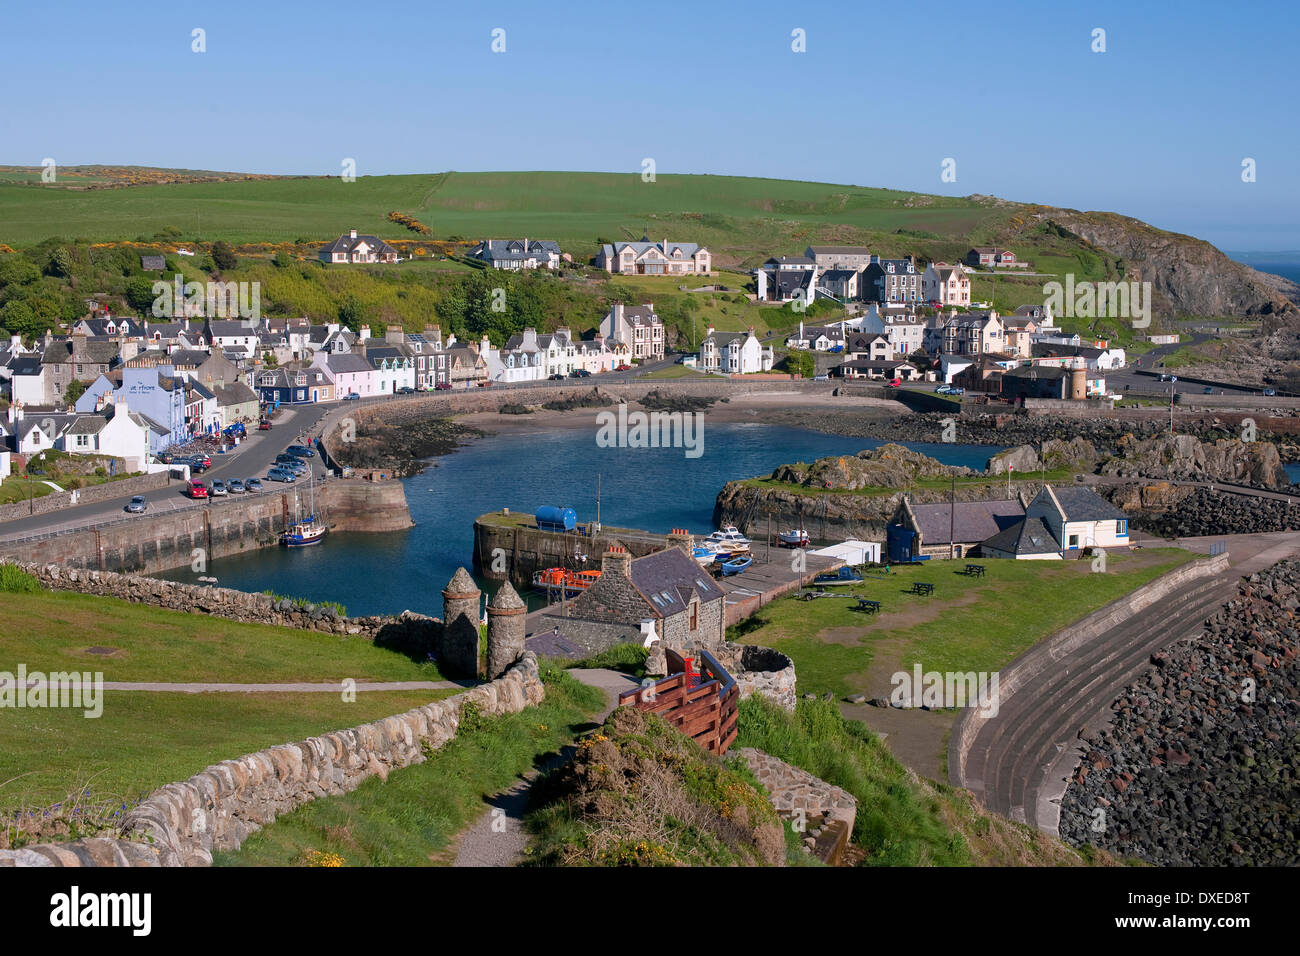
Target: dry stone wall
[[181, 824]]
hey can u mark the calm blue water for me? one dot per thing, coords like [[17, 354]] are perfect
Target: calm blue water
[[1293, 472], [656, 489]]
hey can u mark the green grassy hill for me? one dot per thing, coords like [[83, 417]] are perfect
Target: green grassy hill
[[742, 220]]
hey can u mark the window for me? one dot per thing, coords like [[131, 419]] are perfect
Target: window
[[1121, 528], [695, 615]]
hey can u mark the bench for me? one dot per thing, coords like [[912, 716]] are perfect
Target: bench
[[870, 607], [920, 587], [975, 570]]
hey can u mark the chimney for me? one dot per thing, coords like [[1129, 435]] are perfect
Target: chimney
[[681, 538], [485, 345], [354, 233], [616, 561], [394, 335], [364, 333]]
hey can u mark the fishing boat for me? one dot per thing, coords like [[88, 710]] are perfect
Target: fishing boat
[[306, 530], [797, 538], [562, 579], [845, 575], [737, 565], [704, 554], [728, 535]]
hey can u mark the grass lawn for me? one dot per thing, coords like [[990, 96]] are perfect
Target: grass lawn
[[19, 489], [412, 818], [144, 740], [677, 371], [970, 624], [51, 631]]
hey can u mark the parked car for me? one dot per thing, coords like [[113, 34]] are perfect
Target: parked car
[[556, 377], [442, 386], [821, 378], [218, 489], [1270, 391], [253, 485], [236, 487], [484, 384], [295, 466], [300, 451], [406, 390], [280, 474], [624, 368], [263, 426], [196, 489], [137, 505], [351, 397], [1208, 390], [581, 373]]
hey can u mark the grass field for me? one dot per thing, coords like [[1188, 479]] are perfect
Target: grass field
[[144, 739], [734, 216], [412, 818], [52, 631], [969, 624]]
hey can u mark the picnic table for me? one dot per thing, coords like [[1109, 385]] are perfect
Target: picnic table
[[869, 606], [975, 570], [920, 587]]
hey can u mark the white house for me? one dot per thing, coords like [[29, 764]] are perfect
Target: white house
[[120, 435], [521, 359], [734, 353], [1080, 518], [899, 324], [637, 327], [654, 258], [946, 284]]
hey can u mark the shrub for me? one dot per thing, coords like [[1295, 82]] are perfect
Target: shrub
[[15, 580]]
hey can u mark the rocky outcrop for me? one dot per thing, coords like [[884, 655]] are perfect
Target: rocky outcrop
[[889, 466], [1188, 275], [1185, 457], [1199, 764], [1168, 512]]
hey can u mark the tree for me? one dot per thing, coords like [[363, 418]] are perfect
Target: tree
[[17, 316], [283, 260], [351, 314], [223, 257], [73, 392], [140, 295], [801, 363]]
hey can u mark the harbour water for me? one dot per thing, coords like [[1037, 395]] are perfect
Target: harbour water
[[656, 489]]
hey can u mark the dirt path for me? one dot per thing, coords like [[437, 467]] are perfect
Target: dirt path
[[497, 838]]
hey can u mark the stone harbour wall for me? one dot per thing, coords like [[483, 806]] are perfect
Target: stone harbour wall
[[181, 824]]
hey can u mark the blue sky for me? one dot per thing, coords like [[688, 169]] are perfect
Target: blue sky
[[1155, 127]]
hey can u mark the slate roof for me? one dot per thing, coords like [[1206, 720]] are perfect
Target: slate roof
[[688, 249], [838, 275], [1027, 536], [1046, 349], [970, 520], [237, 393], [347, 243], [839, 250], [95, 352], [1038, 372], [668, 578], [490, 250], [87, 425], [348, 362], [1084, 504]]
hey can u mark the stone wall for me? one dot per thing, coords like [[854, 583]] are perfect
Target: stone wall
[[181, 824], [824, 813], [409, 633], [759, 670], [58, 500]]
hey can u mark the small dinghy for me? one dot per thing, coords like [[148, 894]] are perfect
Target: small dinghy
[[737, 565]]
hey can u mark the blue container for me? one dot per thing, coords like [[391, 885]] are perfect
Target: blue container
[[551, 518]]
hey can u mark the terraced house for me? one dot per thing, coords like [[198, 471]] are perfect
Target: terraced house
[[637, 327], [891, 280], [654, 258]]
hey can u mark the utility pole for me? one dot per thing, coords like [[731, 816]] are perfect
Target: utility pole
[[597, 502], [952, 518]]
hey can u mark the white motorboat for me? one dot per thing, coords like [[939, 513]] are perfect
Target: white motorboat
[[797, 538]]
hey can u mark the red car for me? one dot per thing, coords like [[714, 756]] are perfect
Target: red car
[[196, 489], [623, 368], [263, 426], [442, 385]]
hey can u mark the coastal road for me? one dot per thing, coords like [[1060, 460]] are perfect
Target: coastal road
[[250, 460], [1020, 761]]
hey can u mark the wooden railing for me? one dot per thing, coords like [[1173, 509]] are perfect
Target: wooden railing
[[701, 704]]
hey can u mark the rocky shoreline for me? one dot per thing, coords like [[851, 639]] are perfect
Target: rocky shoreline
[[1198, 766], [402, 448]]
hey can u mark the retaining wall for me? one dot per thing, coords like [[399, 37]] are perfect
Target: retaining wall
[[1033, 662], [181, 824]]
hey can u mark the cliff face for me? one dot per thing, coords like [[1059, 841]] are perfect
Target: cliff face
[[1188, 276]]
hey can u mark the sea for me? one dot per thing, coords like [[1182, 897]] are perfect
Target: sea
[[654, 489]]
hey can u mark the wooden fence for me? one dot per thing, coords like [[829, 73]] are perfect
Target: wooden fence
[[701, 704]]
